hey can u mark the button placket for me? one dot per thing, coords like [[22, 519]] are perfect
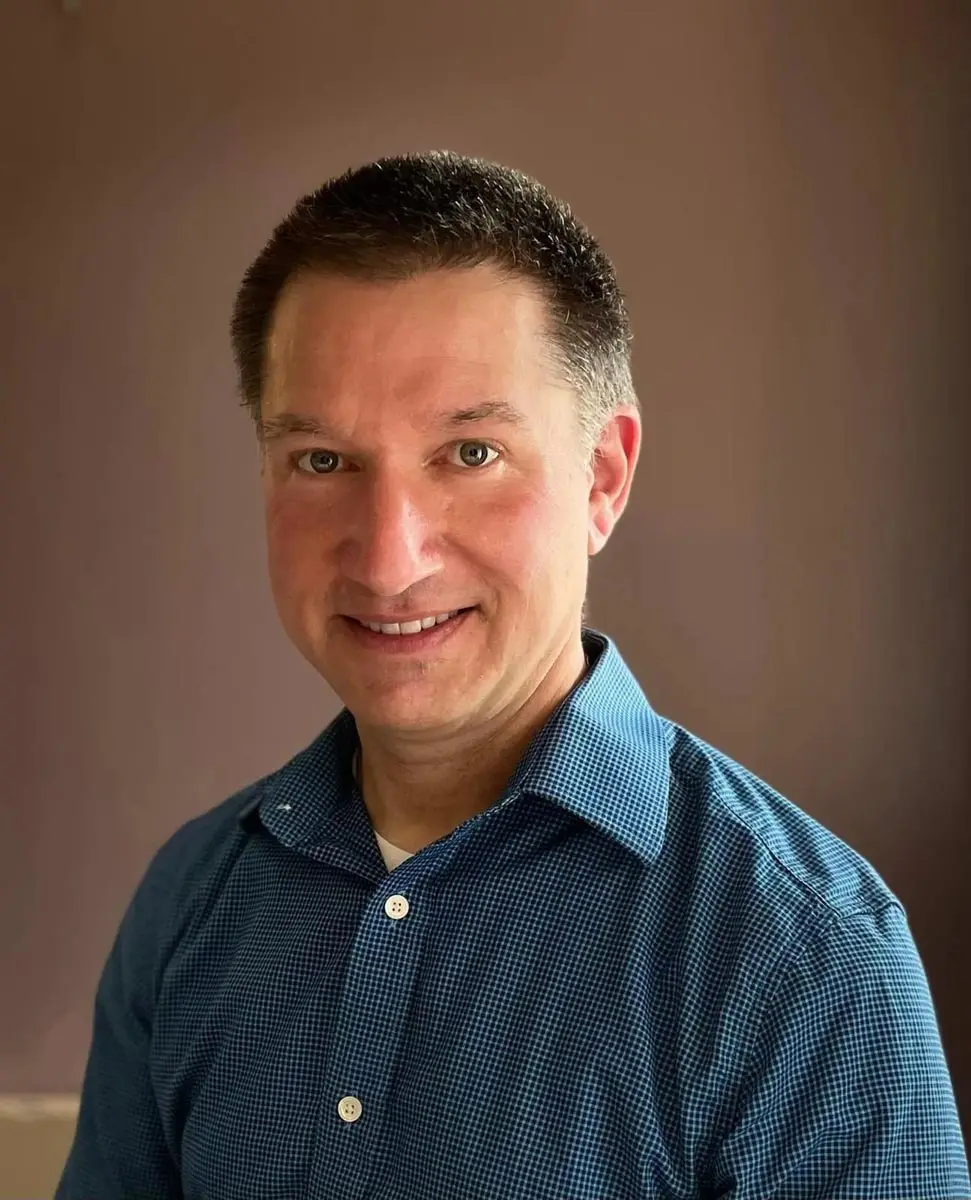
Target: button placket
[[350, 1108]]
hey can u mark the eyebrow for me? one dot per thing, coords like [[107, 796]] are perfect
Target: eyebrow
[[286, 424]]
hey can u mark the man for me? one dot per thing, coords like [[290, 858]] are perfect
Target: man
[[501, 931]]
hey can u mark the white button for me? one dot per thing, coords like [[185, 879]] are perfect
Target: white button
[[396, 907], [349, 1109]]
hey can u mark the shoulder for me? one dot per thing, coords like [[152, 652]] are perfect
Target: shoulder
[[198, 846], [183, 878], [753, 886], [813, 976], [763, 840]]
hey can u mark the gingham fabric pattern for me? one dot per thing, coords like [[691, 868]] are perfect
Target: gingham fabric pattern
[[642, 973]]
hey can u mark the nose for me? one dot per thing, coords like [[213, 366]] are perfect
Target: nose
[[388, 546]]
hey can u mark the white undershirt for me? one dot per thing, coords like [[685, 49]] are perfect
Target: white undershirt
[[393, 856]]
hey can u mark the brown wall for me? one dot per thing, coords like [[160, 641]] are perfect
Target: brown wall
[[785, 190]]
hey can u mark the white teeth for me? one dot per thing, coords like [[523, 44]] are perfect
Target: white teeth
[[408, 627]]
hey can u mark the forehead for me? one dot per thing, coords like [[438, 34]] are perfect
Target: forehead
[[476, 329]]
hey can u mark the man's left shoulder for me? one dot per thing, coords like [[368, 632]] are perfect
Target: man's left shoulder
[[769, 845]]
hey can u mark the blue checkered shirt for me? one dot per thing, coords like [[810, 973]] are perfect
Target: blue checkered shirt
[[641, 973]]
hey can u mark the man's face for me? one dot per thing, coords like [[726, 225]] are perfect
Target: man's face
[[422, 464]]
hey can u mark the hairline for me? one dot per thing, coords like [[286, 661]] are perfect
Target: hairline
[[555, 358]]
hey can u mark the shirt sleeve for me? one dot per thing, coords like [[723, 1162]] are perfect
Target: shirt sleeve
[[849, 1096], [119, 1150]]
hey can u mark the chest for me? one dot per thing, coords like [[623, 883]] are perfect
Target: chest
[[420, 1040]]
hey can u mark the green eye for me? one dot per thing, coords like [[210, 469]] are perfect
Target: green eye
[[476, 454], [319, 462]]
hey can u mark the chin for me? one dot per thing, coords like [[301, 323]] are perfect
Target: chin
[[400, 712]]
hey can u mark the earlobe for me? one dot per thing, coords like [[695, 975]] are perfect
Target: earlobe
[[601, 524]]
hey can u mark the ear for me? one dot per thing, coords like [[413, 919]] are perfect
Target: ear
[[611, 473]]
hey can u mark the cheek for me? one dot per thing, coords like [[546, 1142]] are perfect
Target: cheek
[[295, 538], [532, 538]]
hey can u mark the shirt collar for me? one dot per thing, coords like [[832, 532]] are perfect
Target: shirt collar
[[602, 755]]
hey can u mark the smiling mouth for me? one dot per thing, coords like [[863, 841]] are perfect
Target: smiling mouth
[[409, 628]]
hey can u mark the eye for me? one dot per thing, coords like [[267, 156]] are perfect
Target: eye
[[473, 454], [318, 462]]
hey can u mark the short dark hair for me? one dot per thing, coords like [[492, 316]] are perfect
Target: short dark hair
[[399, 217]]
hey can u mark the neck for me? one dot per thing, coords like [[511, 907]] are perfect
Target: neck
[[418, 790]]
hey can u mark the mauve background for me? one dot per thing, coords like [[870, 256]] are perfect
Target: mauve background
[[785, 189]]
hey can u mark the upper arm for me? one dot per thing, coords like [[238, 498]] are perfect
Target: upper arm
[[119, 1150], [849, 1094]]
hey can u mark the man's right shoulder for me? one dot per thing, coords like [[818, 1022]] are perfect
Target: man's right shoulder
[[190, 868], [197, 846]]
